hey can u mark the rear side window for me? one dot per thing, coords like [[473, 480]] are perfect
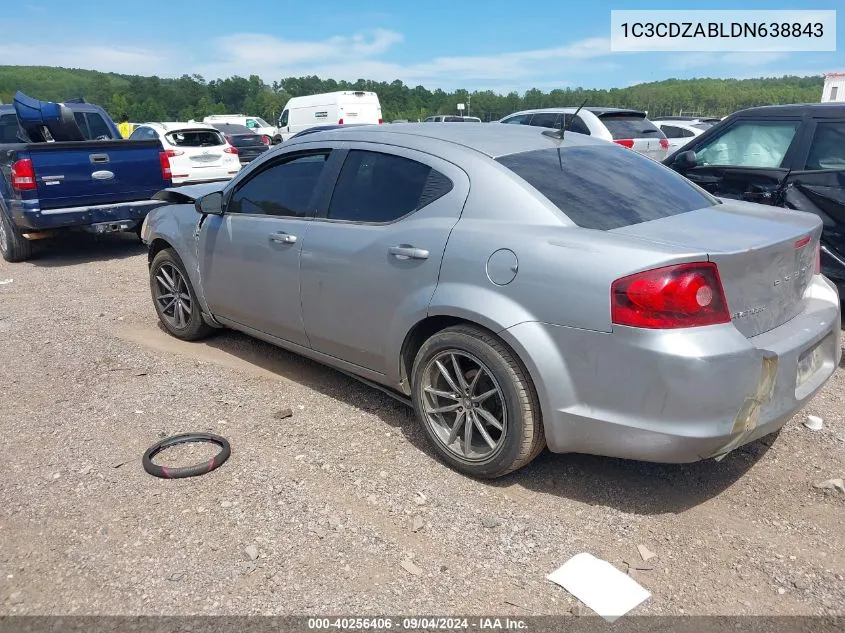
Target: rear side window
[[545, 119], [376, 187], [9, 128], [607, 187], [92, 126], [518, 119], [827, 150], [195, 138], [672, 132], [576, 125], [623, 126]]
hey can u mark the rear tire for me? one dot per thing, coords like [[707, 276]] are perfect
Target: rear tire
[[174, 298], [13, 245], [487, 389]]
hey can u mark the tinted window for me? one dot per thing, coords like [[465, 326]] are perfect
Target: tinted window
[[749, 144], [284, 189], [195, 138], [143, 133], [630, 126], [519, 119], [233, 128], [376, 187], [607, 187], [545, 119], [9, 128], [97, 126], [827, 150], [577, 124], [672, 132]]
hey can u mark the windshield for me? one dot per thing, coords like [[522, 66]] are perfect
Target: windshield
[[262, 123], [607, 187]]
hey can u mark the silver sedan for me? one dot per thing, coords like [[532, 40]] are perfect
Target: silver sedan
[[518, 289]]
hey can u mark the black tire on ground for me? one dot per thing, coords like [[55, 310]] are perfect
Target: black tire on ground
[[195, 327], [524, 437], [13, 245], [187, 471]]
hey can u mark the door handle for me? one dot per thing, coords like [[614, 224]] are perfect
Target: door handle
[[282, 238], [408, 252]]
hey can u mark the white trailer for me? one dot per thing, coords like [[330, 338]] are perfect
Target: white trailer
[[834, 87]]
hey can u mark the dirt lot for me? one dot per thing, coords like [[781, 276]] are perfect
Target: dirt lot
[[336, 497]]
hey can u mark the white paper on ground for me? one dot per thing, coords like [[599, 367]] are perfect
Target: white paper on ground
[[599, 585]]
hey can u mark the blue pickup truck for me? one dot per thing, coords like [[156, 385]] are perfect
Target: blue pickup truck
[[64, 166]]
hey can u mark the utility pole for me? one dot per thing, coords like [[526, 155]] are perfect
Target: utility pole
[[469, 104]]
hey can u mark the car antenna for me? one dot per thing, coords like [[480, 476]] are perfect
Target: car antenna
[[558, 134]]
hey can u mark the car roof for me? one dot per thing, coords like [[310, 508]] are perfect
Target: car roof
[[831, 109], [493, 140], [598, 111]]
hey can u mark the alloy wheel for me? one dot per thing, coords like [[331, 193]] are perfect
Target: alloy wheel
[[172, 296], [464, 405]]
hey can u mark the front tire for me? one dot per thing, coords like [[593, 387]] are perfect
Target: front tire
[[476, 403], [13, 245], [174, 298]]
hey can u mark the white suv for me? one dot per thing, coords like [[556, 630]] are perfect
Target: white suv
[[197, 152], [629, 128]]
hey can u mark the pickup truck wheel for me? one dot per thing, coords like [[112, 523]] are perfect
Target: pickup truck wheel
[[476, 403], [13, 246], [174, 298]]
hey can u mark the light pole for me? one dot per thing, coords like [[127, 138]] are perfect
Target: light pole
[[469, 104]]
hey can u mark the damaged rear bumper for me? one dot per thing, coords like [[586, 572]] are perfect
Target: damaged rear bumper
[[677, 396]]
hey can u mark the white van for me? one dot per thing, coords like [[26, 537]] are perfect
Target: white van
[[331, 108], [254, 123]]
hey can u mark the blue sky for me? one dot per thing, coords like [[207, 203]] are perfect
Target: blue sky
[[500, 46]]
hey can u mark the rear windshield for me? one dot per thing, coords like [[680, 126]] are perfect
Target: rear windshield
[[233, 128], [195, 138], [630, 126], [607, 187]]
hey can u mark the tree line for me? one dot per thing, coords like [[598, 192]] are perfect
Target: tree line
[[193, 97]]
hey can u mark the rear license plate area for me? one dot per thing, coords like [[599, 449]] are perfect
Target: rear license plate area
[[810, 361]]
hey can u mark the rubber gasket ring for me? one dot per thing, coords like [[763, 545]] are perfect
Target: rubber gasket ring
[[188, 471]]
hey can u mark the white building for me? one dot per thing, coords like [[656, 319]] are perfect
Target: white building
[[834, 87]]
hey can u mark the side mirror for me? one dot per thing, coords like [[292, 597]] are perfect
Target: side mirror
[[210, 203], [685, 160]]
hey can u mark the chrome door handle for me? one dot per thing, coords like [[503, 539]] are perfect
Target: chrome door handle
[[408, 252], [283, 238]]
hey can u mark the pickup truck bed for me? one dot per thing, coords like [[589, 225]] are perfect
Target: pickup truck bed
[[94, 185]]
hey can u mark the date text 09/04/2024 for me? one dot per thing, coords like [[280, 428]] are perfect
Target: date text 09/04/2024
[[717, 30], [416, 624]]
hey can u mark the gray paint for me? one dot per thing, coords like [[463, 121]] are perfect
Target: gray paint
[[338, 295]]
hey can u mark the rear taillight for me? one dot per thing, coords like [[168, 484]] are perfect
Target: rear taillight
[[230, 150], [265, 139], [625, 142], [340, 121], [380, 121], [173, 152], [23, 175], [664, 143], [685, 295], [165, 165]]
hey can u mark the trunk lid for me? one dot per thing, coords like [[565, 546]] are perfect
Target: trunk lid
[[765, 256], [84, 173]]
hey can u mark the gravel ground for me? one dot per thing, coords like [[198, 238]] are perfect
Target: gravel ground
[[342, 508]]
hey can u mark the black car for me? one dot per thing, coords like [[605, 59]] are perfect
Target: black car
[[790, 156], [249, 144]]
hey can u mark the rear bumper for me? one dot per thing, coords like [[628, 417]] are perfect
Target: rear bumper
[[249, 155], [28, 215], [678, 396]]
